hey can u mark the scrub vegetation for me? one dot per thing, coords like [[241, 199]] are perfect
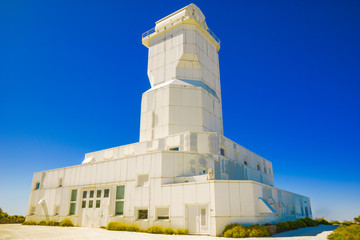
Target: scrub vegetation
[[236, 230], [118, 226], [6, 218], [347, 231], [64, 223]]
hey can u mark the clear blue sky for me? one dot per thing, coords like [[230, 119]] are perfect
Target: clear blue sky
[[72, 74]]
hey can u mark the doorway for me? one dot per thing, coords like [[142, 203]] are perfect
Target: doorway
[[198, 218], [95, 207]]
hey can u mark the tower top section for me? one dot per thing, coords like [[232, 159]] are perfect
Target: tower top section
[[190, 14]]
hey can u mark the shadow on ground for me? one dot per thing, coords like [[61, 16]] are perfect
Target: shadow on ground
[[309, 231]]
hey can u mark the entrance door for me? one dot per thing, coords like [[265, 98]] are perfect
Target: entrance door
[[95, 207], [198, 219]]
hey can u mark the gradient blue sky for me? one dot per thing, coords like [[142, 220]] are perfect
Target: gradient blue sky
[[72, 74]]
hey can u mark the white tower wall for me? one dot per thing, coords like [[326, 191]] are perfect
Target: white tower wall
[[183, 71]]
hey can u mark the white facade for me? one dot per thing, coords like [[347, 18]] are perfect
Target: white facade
[[183, 173]]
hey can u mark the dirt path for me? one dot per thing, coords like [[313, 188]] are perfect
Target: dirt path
[[22, 232]]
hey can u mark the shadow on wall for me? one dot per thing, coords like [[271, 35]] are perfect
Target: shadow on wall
[[309, 231]]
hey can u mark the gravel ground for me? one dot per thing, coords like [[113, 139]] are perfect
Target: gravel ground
[[25, 232]]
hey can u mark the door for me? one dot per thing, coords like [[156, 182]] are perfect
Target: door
[[95, 207], [198, 219]]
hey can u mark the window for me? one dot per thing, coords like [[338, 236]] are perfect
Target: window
[[162, 213], [119, 203], [73, 202], [97, 203], [245, 163], [91, 203], [222, 152], [203, 217], [91, 194], [37, 185], [98, 193], [258, 166], [265, 171], [84, 194], [60, 182], [143, 180], [174, 149], [142, 214], [106, 193], [270, 171], [245, 160], [73, 195], [83, 204]]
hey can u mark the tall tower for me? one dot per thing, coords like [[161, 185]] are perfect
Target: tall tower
[[183, 69]]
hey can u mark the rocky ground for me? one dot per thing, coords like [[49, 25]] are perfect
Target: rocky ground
[[25, 232]]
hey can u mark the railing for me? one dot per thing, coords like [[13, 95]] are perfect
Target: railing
[[148, 33], [151, 31], [213, 35]]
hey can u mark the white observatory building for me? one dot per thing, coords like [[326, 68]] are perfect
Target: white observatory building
[[183, 173]]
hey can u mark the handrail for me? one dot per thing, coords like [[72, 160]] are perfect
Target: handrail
[[148, 33], [212, 34]]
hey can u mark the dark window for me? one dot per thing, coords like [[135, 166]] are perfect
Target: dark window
[[92, 193], [98, 193], [97, 203], [119, 204], [106, 193], [258, 166], [119, 208], [245, 163], [73, 195], [120, 192], [83, 204], [84, 194], [90, 203], [222, 152], [72, 208], [143, 214], [174, 149], [37, 185]]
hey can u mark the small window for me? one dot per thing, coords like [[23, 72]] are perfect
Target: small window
[[106, 193], [203, 217], [258, 166], [72, 208], [73, 195], [143, 214], [270, 171], [91, 194], [60, 182], [90, 203], [222, 152], [119, 208], [83, 204], [119, 203], [265, 171], [174, 149], [143, 180], [84, 194], [97, 203], [37, 185], [98, 193], [162, 213], [73, 202], [245, 163], [120, 190]]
